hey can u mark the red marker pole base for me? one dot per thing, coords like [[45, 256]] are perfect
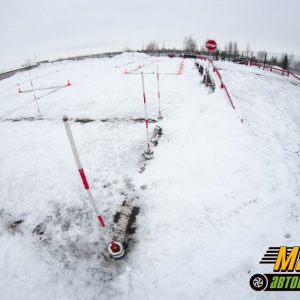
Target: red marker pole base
[[148, 154], [116, 250]]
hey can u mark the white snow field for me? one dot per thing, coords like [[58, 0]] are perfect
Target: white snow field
[[217, 194]]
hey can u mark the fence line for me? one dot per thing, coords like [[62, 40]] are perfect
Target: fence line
[[261, 57], [283, 71], [215, 69], [74, 58]]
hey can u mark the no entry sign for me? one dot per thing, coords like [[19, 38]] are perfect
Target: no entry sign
[[211, 45]]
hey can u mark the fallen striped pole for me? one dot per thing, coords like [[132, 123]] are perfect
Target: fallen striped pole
[[148, 153], [159, 112], [115, 249]]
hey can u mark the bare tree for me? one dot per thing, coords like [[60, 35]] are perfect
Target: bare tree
[[230, 47], [235, 48], [152, 46], [127, 49], [203, 49], [261, 54], [291, 59], [189, 44], [273, 61], [27, 63], [296, 65], [248, 49], [287, 60], [163, 48]]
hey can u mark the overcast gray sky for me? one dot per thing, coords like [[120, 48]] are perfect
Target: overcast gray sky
[[48, 29]]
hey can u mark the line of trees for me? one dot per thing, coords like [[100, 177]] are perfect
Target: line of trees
[[230, 51], [189, 45]]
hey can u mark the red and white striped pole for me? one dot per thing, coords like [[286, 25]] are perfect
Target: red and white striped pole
[[159, 112], [148, 153], [34, 95], [116, 249]]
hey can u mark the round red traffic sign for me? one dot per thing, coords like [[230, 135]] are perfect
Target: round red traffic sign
[[211, 45]]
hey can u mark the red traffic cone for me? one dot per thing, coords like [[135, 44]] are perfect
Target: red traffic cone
[[20, 91], [125, 72], [139, 66], [68, 84]]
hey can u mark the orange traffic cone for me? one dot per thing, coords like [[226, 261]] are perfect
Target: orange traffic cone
[[68, 84], [179, 72]]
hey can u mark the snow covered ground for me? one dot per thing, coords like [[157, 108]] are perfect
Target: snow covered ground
[[215, 196]]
